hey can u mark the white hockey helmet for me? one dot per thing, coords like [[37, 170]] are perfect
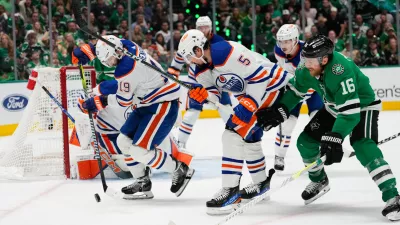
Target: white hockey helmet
[[203, 21], [105, 51], [190, 40], [288, 32]]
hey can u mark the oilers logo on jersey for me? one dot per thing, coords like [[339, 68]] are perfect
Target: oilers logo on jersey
[[128, 112], [231, 82]]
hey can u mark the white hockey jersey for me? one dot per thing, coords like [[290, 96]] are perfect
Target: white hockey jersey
[[238, 70], [292, 62], [137, 80], [113, 116]]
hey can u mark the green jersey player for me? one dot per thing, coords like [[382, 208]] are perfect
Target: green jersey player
[[351, 107]]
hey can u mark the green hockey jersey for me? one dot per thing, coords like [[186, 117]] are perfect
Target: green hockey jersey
[[344, 88], [102, 72]]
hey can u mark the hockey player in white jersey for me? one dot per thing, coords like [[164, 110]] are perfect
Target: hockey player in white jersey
[[203, 24], [256, 82], [154, 113], [108, 122], [287, 53]]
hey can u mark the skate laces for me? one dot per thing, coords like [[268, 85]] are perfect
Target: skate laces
[[252, 188], [175, 177], [221, 194], [312, 186], [279, 160]]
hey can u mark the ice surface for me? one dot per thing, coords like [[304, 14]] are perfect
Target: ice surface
[[353, 199]]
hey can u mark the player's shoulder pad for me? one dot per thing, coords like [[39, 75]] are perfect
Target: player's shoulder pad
[[216, 38], [278, 51], [220, 52], [108, 87], [124, 67], [301, 43]]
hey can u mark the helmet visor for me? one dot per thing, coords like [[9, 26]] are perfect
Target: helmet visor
[[311, 62]]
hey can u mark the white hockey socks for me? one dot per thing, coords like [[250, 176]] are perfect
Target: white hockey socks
[[283, 138], [185, 129]]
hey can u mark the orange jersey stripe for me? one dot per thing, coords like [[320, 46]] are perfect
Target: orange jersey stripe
[[231, 166], [157, 118]]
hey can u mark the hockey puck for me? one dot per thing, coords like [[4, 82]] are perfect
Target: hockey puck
[[97, 197]]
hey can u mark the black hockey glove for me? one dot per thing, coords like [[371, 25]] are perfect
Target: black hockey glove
[[331, 146], [271, 117]]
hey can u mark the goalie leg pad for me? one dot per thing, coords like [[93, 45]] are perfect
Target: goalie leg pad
[[232, 159]]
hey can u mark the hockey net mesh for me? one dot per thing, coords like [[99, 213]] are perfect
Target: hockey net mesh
[[36, 148]]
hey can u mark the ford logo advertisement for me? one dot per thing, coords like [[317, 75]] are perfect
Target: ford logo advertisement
[[15, 102]]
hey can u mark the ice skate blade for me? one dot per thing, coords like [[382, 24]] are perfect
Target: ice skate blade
[[139, 196], [322, 192], [189, 175], [216, 211], [393, 216]]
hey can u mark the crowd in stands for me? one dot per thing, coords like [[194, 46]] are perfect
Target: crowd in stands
[[374, 39]]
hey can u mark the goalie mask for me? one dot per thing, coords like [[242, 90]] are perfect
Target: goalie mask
[[191, 40], [104, 52]]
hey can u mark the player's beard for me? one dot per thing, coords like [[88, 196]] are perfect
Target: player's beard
[[315, 72]]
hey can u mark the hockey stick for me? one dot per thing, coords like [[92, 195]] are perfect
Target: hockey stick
[[77, 13], [269, 192], [288, 180], [381, 142], [56, 101], [105, 155], [107, 190]]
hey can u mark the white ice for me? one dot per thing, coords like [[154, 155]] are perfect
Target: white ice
[[353, 199]]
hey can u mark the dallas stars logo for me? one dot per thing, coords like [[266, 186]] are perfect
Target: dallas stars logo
[[337, 69]]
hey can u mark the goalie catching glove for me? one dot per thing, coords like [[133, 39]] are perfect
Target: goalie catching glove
[[271, 117], [93, 104], [331, 146]]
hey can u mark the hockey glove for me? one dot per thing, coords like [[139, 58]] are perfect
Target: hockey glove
[[93, 104], [331, 146], [174, 71], [84, 54], [271, 117], [243, 111], [197, 96]]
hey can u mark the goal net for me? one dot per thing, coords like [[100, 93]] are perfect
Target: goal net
[[39, 146]]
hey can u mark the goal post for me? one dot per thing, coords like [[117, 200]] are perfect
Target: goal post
[[39, 147]]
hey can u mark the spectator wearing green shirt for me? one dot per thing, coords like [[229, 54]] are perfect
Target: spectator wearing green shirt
[[6, 58], [359, 39], [338, 42], [117, 16]]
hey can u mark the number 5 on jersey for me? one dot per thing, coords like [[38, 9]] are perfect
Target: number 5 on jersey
[[243, 60], [348, 86]]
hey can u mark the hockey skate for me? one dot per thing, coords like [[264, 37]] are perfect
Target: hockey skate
[[279, 165], [315, 190], [181, 178], [225, 201], [140, 189], [392, 209], [253, 190]]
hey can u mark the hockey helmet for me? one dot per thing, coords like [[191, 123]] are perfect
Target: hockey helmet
[[105, 51], [203, 21], [318, 47], [288, 32], [190, 40]]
